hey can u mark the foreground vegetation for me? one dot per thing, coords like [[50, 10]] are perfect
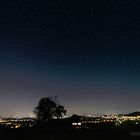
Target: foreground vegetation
[[42, 133]]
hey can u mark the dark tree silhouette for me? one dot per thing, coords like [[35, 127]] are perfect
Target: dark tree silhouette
[[48, 108], [60, 111]]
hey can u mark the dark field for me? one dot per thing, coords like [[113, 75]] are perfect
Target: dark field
[[72, 134]]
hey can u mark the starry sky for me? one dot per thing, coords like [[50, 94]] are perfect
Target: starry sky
[[87, 52]]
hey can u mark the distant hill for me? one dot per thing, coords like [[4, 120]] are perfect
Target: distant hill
[[134, 114]]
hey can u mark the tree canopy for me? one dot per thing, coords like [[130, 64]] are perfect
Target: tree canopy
[[48, 108]]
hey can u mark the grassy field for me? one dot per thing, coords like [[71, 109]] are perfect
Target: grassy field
[[72, 134]]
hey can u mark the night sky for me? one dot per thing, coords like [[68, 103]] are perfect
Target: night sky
[[87, 52]]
